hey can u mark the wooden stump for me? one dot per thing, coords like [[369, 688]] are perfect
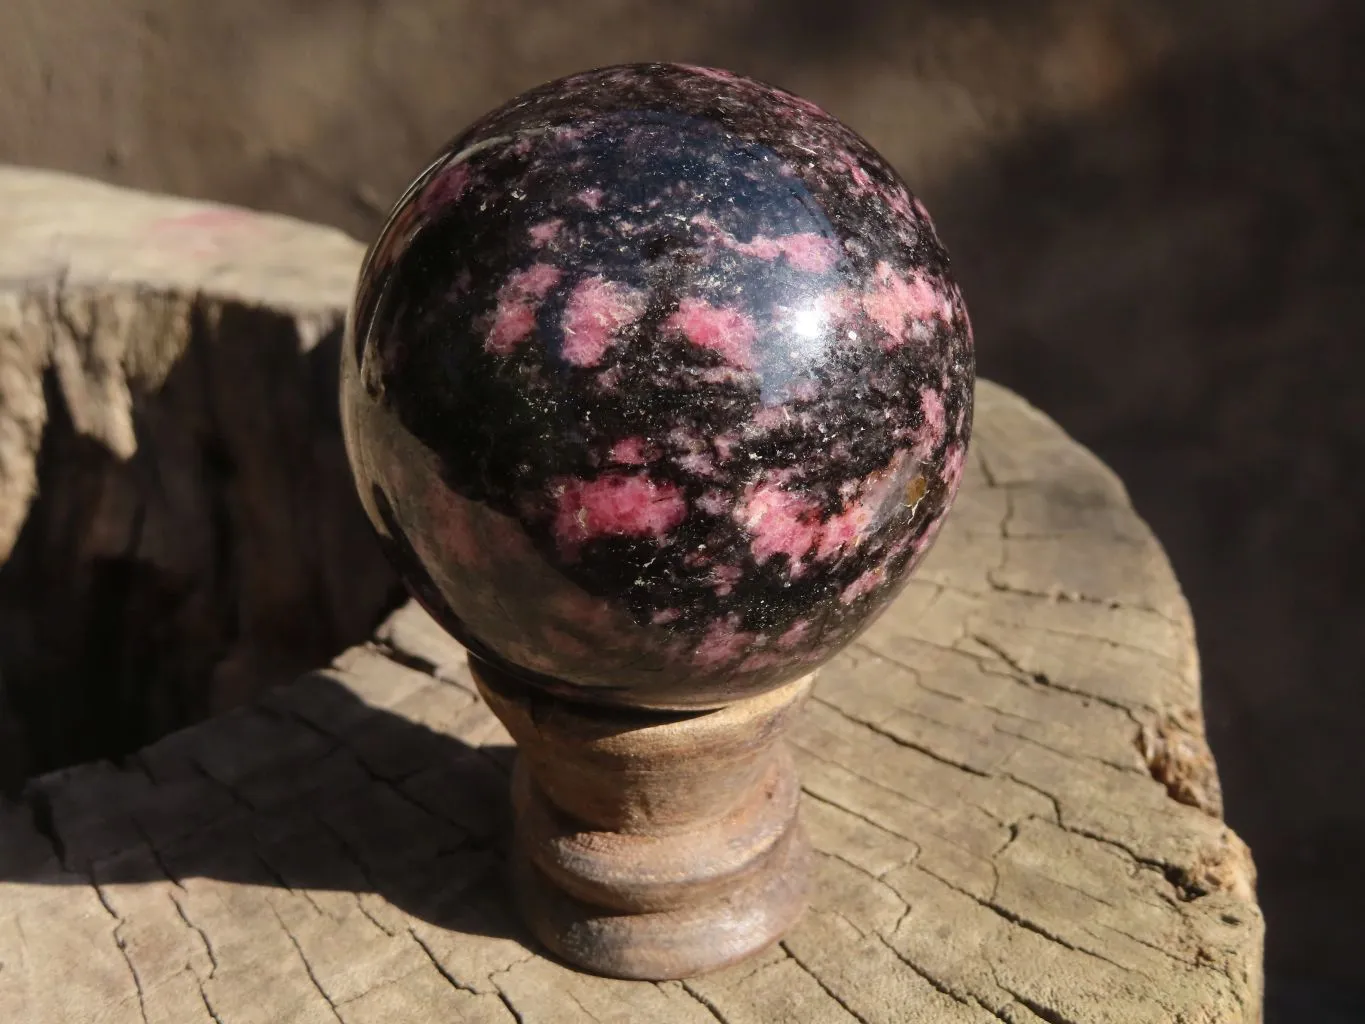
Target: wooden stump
[[1014, 814]]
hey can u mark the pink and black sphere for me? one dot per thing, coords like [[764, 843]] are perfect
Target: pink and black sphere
[[657, 386]]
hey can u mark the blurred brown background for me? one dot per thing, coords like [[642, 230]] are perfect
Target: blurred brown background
[[1155, 208]]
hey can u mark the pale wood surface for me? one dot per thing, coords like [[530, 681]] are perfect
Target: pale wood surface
[[1006, 781]]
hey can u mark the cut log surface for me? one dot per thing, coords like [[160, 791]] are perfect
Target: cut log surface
[[1014, 811]]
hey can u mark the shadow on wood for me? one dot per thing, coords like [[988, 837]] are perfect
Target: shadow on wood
[[178, 524], [352, 799], [224, 554]]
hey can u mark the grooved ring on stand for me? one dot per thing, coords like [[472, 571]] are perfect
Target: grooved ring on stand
[[686, 941], [640, 872]]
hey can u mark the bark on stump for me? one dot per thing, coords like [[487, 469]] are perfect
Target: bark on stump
[[1014, 811]]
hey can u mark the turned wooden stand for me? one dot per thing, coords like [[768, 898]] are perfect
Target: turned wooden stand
[[1012, 812], [654, 845]]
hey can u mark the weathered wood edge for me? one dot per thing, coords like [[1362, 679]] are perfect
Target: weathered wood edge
[[99, 283], [1007, 781], [168, 379]]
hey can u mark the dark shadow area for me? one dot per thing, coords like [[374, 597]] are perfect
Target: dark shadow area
[[226, 554], [308, 788], [1289, 1002], [1176, 281]]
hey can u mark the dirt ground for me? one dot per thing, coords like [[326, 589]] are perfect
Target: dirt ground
[[1155, 210]]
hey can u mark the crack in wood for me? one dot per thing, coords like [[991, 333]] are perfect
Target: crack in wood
[[1042, 597], [360, 905], [939, 986], [453, 981], [208, 1006], [116, 933], [1074, 596], [1176, 876], [1013, 672], [876, 877], [1043, 679], [1018, 919], [812, 795], [577, 1002], [203, 936], [710, 1010], [900, 741], [716, 1011], [511, 1007], [307, 966], [1044, 1013], [420, 663], [824, 986], [1079, 758], [933, 808], [132, 970]]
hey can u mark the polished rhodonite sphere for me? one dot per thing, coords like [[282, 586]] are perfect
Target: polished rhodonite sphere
[[657, 386]]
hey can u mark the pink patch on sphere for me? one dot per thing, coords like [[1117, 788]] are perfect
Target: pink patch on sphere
[[596, 310], [544, 233], [515, 316], [445, 187], [760, 660], [722, 330], [865, 583], [629, 451], [805, 250], [862, 181], [844, 530], [895, 298], [511, 325], [794, 634], [722, 642], [724, 577], [714, 503], [698, 464], [934, 428], [954, 462], [615, 505], [779, 522]]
